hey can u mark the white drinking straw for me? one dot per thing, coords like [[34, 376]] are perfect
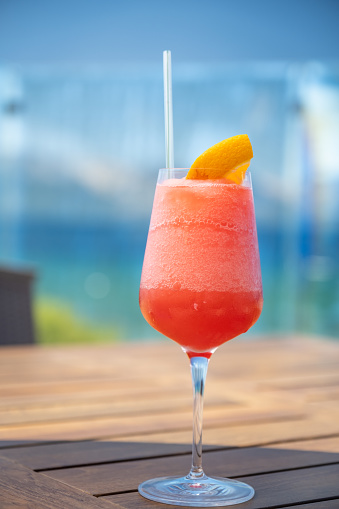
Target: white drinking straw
[[168, 109]]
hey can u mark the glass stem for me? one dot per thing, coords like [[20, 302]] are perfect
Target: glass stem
[[199, 370]]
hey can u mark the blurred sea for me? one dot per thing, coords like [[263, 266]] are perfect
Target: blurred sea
[[79, 155]]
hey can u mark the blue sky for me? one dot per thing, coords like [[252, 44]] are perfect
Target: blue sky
[[136, 31]]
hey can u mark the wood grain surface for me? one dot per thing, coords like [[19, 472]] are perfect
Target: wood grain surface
[[83, 426]]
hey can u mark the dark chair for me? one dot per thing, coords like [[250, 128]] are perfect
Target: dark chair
[[16, 318]]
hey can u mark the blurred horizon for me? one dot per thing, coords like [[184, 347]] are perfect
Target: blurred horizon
[[82, 138]]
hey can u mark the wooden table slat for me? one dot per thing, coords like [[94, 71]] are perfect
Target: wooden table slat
[[96, 420], [73, 454], [272, 490], [227, 463], [21, 488], [91, 427]]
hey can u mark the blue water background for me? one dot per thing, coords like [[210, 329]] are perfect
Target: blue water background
[[79, 158]]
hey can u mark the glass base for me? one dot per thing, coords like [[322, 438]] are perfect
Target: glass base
[[205, 492]]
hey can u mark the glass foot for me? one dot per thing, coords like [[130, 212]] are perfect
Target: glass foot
[[205, 492]]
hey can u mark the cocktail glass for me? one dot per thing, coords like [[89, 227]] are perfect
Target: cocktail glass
[[200, 286]]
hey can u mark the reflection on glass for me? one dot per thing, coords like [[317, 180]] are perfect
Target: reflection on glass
[[200, 286]]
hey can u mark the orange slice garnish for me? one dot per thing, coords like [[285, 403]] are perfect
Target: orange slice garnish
[[229, 159]]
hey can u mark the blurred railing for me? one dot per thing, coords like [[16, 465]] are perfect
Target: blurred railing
[[79, 154]]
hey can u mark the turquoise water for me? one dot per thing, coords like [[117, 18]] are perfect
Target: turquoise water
[[79, 155], [95, 271]]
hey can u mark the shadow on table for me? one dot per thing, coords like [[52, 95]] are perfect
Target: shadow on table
[[281, 474]]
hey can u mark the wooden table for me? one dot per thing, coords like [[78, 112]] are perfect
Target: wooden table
[[81, 427]]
